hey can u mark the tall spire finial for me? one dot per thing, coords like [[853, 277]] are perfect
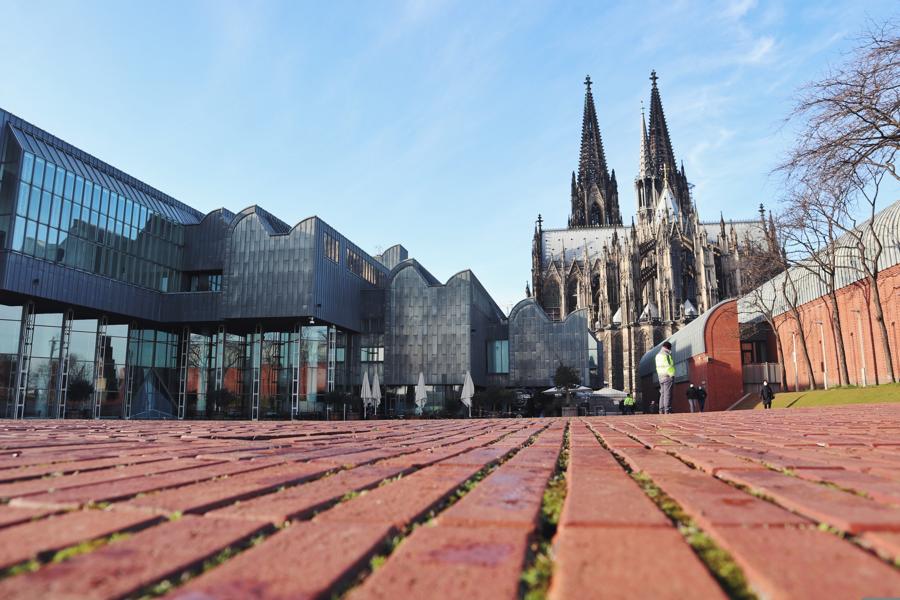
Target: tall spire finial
[[588, 82], [653, 77]]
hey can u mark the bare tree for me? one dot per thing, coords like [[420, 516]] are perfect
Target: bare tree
[[792, 299], [851, 117], [847, 143], [810, 230], [866, 241]]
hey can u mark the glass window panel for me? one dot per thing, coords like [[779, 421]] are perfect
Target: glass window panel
[[19, 234], [45, 207], [95, 198], [22, 203], [49, 172], [65, 220], [88, 192], [113, 202], [30, 236], [104, 202], [62, 236], [38, 176], [40, 246], [59, 182], [70, 185], [120, 208], [55, 210], [27, 166], [79, 188], [52, 238], [34, 205]]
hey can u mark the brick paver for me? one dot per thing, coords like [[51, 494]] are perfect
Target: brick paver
[[805, 502]]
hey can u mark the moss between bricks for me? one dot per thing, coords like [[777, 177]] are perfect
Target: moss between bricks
[[719, 562], [166, 585], [538, 571], [62, 555], [378, 560]]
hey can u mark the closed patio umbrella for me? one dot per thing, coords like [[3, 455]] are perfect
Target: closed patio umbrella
[[468, 390], [421, 394], [376, 393], [365, 393]]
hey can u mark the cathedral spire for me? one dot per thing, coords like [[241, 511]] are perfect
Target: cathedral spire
[[646, 166], [659, 142], [592, 161]]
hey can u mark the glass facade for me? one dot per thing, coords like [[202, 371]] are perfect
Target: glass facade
[[62, 217], [40, 398], [154, 377], [81, 373], [10, 326]]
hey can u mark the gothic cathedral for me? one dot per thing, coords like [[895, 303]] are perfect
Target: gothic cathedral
[[639, 283]]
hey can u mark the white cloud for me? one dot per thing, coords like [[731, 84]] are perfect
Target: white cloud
[[761, 51], [736, 9]]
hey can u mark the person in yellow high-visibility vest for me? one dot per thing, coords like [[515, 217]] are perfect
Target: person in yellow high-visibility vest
[[629, 404], [665, 370]]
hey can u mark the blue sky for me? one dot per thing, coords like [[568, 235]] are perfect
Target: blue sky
[[444, 126]]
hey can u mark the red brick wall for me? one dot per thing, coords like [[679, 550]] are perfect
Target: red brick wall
[[857, 324]]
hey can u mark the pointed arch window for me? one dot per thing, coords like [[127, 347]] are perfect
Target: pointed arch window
[[550, 299]]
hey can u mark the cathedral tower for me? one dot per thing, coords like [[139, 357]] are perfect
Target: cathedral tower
[[595, 197]]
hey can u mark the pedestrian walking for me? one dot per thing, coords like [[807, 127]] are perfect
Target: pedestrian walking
[[701, 397], [665, 370], [767, 394], [629, 404], [692, 398]]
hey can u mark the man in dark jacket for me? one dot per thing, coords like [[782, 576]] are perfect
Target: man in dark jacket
[[767, 395], [701, 397]]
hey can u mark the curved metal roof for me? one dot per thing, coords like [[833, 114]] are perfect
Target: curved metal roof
[[807, 281], [688, 341]]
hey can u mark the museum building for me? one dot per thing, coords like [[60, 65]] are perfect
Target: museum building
[[119, 301]]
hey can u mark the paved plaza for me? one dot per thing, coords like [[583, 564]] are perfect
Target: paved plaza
[[801, 503]]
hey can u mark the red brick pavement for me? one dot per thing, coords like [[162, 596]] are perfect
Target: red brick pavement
[[805, 502]]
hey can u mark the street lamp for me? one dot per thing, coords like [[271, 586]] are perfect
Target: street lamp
[[862, 354], [824, 360]]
